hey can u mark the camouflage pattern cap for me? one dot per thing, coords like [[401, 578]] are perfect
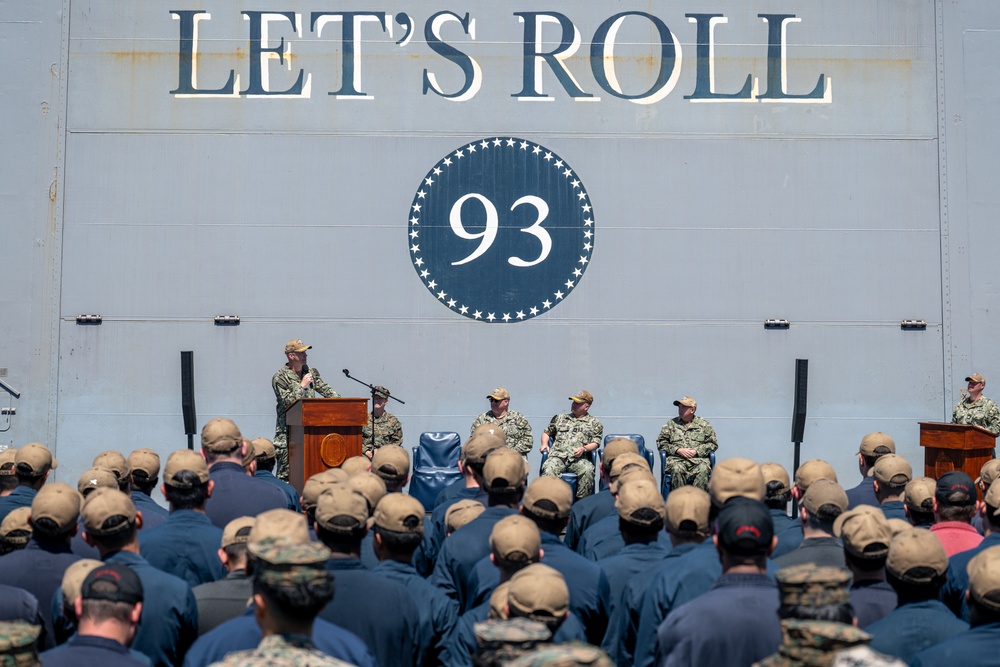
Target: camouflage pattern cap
[[59, 503], [73, 578], [615, 448], [282, 562], [583, 396], [380, 391], [548, 498], [263, 449], [15, 528], [538, 592], [516, 535], [976, 377], [736, 477], [355, 464], [916, 548], [918, 491], [278, 524], [824, 492], [864, 531], [237, 531], [499, 394], [775, 472], [893, 470], [296, 345], [504, 471], [96, 478], [7, 457], [370, 486], [572, 654], [33, 459], [400, 513], [984, 578], [461, 513], [516, 633], [489, 429], [989, 472], [17, 643], [391, 463], [319, 483], [114, 461], [221, 435], [639, 503], [813, 586], [630, 472], [146, 460], [873, 441], [745, 527], [812, 470], [687, 402], [625, 460], [114, 582], [181, 460], [341, 510], [687, 510], [103, 505]]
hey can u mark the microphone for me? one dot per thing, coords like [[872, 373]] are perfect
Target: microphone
[[305, 371], [347, 372]]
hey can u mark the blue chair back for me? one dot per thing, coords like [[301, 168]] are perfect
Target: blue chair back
[[434, 465], [637, 439]]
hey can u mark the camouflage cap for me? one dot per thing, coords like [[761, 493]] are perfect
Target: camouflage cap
[[33, 459], [918, 491], [146, 460], [989, 472], [263, 449], [516, 535], [391, 463], [736, 477], [639, 502], [482, 442], [916, 548], [96, 478], [498, 602], [548, 498], [824, 492], [953, 482], [355, 464], [370, 486], [114, 582], [221, 435], [7, 457], [873, 441], [572, 654], [864, 531], [17, 644], [237, 531], [282, 562], [400, 513], [687, 510], [73, 578], [813, 586], [15, 529], [687, 402], [504, 471], [499, 394], [893, 470], [341, 510], [976, 377], [745, 527], [320, 482], [103, 505], [380, 391], [615, 448], [812, 470], [631, 472], [57, 502], [516, 633], [583, 396], [624, 460], [296, 345], [279, 524], [775, 472], [114, 461], [984, 578], [461, 513], [538, 592], [181, 460]]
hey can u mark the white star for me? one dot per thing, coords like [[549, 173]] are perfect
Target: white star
[[583, 260], [437, 171], [491, 317], [414, 220], [484, 143], [510, 142], [577, 272], [520, 314], [586, 208], [416, 208], [559, 164], [548, 157], [587, 234], [472, 148], [478, 314], [429, 181], [506, 317], [497, 141], [425, 273], [588, 222], [579, 195], [547, 303], [414, 248], [459, 154], [414, 234], [533, 311], [451, 303], [587, 246], [569, 284], [464, 310], [524, 145], [447, 162], [442, 295], [418, 261], [432, 284], [421, 194], [92, 482], [558, 294], [536, 150], [575, 183], [568, 173]]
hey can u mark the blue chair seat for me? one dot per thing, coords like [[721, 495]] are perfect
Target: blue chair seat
[[434, 465]]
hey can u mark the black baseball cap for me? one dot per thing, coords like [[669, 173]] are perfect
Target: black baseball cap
[[113, 582], [955, 481], [745, 527]]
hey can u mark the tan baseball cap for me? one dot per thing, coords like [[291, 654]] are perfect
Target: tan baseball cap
[[913, 548], [689, 505], [16, 521], [639, 503], [341, 510], [498, 602], [263, 448], [103, 505], [184, 459], [812, 470], [824, 492], [582, 396], [989, 472], [918, 491], [548, 498], [319, 482], [221, 435], [146, 460], [114, 461], [976, 377], [504, 471], [630, 473], [893, 470], [615, 448], [482, 442], [400, 513], [461, 513], [624, 461], [864, 531], [736, 477], [538, 592], [296, 345], [73, 577], [355, 464], [279, 524], [391, 463], [992, 498], [516, 535], [498, 394], [96, 478], [33, 459], [237, 531], [687, 402], [775, 472], [984, 578], [873, 441], [7, 457], [57, 502], [370, 486]]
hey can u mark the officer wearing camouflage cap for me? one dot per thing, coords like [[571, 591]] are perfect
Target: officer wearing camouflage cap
[[569, 440], [975, 409], [687, 440], [873, 446], [592, 509], [388, 429], [294, 381], [19, 644], [517, 430]]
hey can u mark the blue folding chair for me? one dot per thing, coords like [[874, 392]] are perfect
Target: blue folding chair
[[665, 481], [435, 465], [634, 437]]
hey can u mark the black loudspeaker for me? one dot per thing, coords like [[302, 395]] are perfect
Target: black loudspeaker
[[799, 411], [187, 393]]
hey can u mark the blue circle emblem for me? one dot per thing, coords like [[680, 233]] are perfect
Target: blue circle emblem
[[501, 230]]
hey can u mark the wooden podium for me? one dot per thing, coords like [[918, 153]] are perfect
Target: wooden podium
[[322, 434], [950, 447]]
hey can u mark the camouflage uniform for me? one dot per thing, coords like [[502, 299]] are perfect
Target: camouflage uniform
[[287, 389], [515, 427], [574, 654], [567, 433], [813, 643], [498, 642], [699, 436], [983, 412], [282, 651], [17, 644], [388, 431]]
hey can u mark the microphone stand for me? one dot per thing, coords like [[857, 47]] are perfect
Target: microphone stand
[[372, 389]]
